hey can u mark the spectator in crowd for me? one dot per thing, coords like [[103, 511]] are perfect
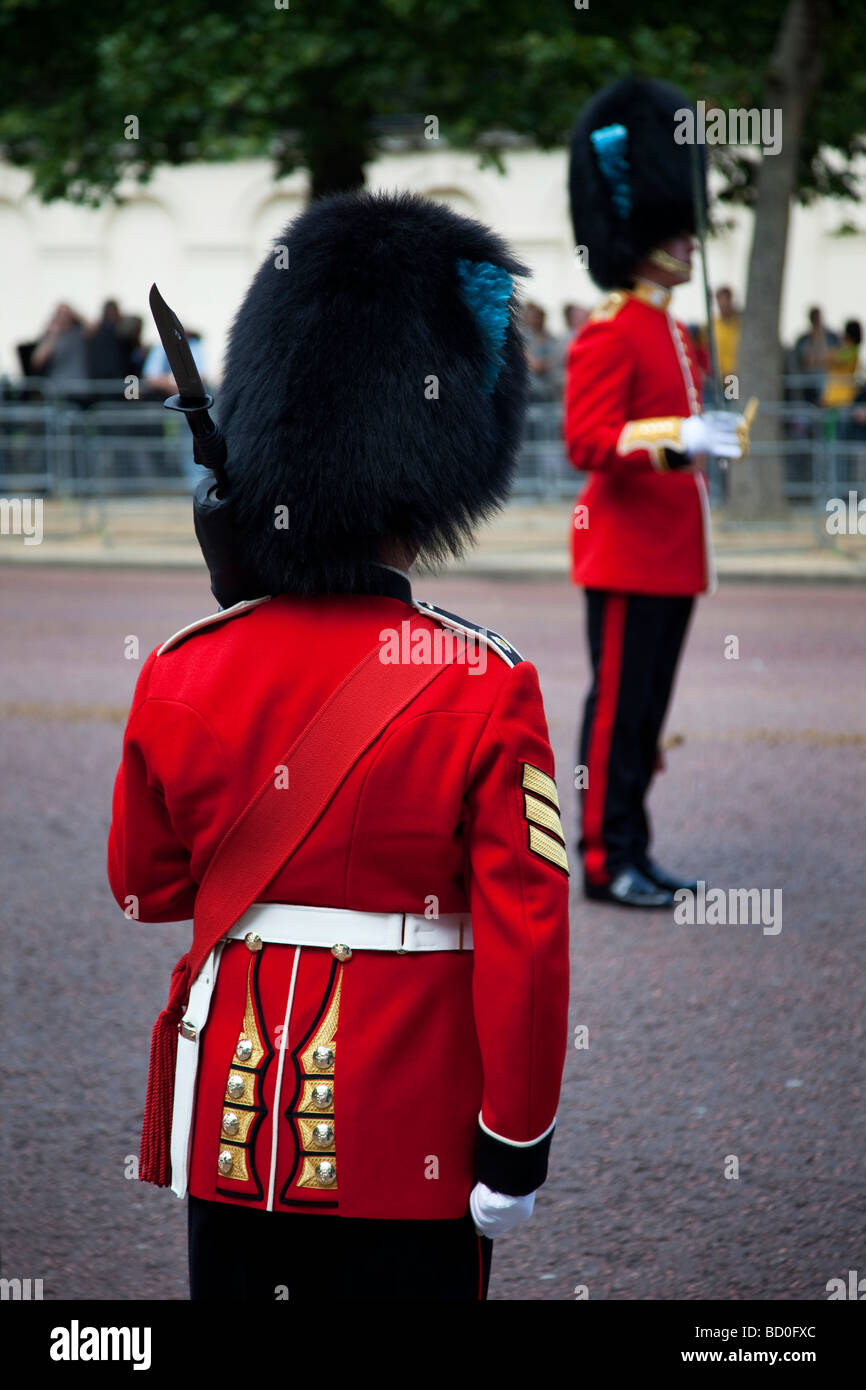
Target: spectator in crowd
[[129, 328], [61, 352], [575, 317], [107, 355], [698, 334], [727, 325], [541, 353], [811, 352], [840, 385], [157, 379], [853, 430]]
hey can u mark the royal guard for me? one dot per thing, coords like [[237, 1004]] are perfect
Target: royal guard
[[641, 545], [351, 792]]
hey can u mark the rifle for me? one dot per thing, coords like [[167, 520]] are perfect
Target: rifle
[[213, 517]]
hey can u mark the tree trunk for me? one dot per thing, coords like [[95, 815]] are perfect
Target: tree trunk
[[756, 484], [335, 159]]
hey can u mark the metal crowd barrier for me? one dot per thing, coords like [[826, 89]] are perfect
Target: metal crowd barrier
[[823, 453], [85, 440]]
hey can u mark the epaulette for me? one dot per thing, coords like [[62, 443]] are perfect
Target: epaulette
[[236, 611], [610, 307], [493, 640]]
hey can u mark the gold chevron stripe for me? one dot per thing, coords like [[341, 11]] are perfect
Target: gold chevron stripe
[[545, 845], [534, 780], [543, 814]]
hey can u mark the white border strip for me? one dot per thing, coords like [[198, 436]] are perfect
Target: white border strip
[[275, 1109], [516, 1143], [236, 609], [709, 553], [477, 633]]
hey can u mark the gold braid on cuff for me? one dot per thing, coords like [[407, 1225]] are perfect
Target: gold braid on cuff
[[653, 435]]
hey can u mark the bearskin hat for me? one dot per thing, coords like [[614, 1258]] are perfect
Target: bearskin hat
[[630, 183], [375, 386]]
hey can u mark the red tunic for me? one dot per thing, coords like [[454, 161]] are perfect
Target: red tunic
[[417, 1052], [636, 528]]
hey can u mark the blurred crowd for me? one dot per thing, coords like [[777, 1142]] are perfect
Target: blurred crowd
[[105, 363], [822, 367], [828, 364], [546, 352], [94, 362], [72, 353]]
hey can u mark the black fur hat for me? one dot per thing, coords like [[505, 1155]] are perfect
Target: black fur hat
[[630, 182], [375, 386]]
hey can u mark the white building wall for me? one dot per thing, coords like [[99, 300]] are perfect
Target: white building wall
[[201, 231]]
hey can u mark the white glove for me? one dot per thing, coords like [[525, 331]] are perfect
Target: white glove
[[715, 432], [494, 1213]]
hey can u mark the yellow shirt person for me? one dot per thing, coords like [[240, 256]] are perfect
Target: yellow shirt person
[[840, 386], [726, 327]]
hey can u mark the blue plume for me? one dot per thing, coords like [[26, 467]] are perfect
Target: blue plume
[[485, 289], [609, 143]]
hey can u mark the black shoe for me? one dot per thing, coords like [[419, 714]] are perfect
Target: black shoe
[[656, 874], [630, 888]]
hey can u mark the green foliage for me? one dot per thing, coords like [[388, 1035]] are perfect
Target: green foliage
[[323, 83]]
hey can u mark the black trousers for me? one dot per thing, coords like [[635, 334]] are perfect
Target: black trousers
[[238, 1254], [634, 642]]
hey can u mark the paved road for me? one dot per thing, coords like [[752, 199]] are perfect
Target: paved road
[[705, 1042]]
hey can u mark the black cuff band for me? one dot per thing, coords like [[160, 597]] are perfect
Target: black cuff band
[[508, 1169], [676, 460]]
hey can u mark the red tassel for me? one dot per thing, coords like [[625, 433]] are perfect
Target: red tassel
[[155, 1157]]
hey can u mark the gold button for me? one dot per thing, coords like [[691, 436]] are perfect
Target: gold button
[[231, 1124], [244, 1050], [253, 941], [323, 1057], [236, 1086], [341, 952], [225, 1162]]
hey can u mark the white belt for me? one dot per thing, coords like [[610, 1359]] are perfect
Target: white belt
[[186, 1068], [339, 929]]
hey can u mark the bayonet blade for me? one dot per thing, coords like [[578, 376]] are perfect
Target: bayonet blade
[[178, 352]]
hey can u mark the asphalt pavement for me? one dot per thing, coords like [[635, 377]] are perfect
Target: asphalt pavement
[[711, 1135]]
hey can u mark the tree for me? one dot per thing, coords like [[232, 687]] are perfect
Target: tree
[[756, 489], [112, 90], [315, 87]]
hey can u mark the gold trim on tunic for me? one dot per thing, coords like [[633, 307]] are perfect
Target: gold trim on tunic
[[244, 1119], [308, 1106], [250, 1031], [306, 1125], [609, 308], [324, 1034], [543, 814], [534, 780], [248, 1095], [240, 1171], [545, 845], [244, 1105], [308, 1176]]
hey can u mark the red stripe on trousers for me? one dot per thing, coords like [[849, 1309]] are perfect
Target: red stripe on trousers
[[598, 751]]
